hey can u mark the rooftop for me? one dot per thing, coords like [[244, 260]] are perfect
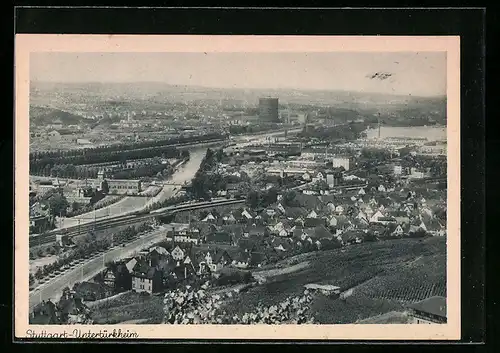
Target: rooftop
[[433, 305]]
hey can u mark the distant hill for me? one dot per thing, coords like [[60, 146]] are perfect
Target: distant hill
[[157, 94], [47, 116]]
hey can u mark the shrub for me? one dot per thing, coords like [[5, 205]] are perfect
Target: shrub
[[232, 276]]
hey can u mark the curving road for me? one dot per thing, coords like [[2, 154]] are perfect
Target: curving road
[[85, 271]]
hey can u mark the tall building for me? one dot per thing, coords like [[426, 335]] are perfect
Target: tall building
[[268, 109]]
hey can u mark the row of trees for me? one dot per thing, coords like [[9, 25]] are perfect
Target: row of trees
[[169, 202], [144, 171], [205, 180], [167, 143], [256, 199], [79, 209], [77, 166], [87, 247]]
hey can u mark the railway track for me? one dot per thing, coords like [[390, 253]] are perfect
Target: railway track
[[51, 237]]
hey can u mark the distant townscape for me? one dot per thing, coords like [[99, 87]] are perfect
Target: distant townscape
[[162, 204]]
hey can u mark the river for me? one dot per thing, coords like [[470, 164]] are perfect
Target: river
[[185, 173], [432, 133]]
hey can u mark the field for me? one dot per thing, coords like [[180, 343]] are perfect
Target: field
[[375, 278], [129, 306]]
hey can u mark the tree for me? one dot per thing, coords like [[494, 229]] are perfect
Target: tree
[[270, 197], [58, 205], [219, 155], [289, 199], [38, 273], [75, 206], [253, 199]]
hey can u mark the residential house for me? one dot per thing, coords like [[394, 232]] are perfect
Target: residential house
[[241, 260], [398, 232], [322, 232], [90, 291], [429, 311], [118, 277], [362, 217], [209, 218], [156, 255], [417, 226], [352, 237], [319, 177], [187, 235], [220, 238], [146, 278], [255, 231], [314, 222], [247, 215], [282, 228], [282, 244], [436, 228], [368, 210], [178, 254], [229, 219], [386, 220], [400, 216], [376, 216], [332, 222], [130, 264], [73, 311], [312, 214], [54, 135], [40, 224], [44, 313], [216, 259]]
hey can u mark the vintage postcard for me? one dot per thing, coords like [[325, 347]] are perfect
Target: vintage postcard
[[237, 187]]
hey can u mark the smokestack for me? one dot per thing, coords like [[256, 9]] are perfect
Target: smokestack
[[379, 126]]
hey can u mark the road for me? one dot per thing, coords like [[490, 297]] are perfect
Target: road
[[125, 205], [53, 288]]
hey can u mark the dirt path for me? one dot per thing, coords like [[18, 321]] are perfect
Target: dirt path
[[131, 322], [263, 276]]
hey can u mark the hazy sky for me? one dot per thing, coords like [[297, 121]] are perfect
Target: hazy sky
[[419, 74]]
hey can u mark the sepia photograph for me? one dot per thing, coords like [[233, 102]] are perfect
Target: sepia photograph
[[311, 184]]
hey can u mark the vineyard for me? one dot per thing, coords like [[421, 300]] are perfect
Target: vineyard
[[411, 294], [381, 277]]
